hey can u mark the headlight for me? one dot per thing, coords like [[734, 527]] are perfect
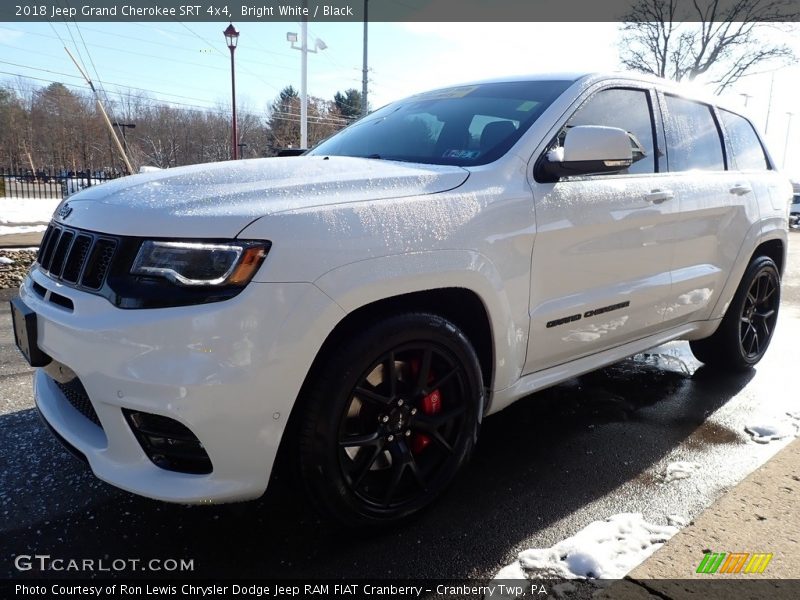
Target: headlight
[[200, 263]]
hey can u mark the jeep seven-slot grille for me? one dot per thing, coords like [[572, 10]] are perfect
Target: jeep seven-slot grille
[[75, 257]]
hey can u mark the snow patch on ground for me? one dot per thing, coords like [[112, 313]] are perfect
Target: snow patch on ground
[[676, 521], [17, 229], [680, 470], [770, 431], [6, 261], [602, 550], [26, 215]]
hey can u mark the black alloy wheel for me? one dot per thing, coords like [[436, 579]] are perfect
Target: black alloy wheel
[[759, 314], [742, 338], [391, 419]]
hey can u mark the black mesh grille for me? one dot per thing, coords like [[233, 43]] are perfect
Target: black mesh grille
[[60, 253], [99, 262], [46, 239], [76, 395], [76, 257]]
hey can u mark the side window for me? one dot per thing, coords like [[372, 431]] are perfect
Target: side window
[[626, 109], [748, 154], [693, 141]]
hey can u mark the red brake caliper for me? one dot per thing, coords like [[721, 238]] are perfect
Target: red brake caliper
[[431, 405]]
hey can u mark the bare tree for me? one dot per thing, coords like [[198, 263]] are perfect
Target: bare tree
[[59, 128], [720, 40]]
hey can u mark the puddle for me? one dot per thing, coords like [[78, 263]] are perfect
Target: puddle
[[713, 434]]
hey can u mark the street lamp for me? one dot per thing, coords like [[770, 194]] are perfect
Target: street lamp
[[232, 38], [291, 37]]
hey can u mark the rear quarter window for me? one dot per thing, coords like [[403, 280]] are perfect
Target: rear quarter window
[[743, 143]]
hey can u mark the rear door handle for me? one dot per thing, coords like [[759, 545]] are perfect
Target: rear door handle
[[740, 189], [659, 196]]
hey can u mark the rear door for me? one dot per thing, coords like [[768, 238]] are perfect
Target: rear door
[[716, 204], [601, 259]]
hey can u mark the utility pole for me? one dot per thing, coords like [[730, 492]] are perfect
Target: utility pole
[[364, 104], [102, 112]]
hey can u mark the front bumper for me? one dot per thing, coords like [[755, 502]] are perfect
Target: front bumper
[[229, 371]]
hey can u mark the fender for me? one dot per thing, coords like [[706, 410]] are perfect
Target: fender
[[760, 232], [358, 284]]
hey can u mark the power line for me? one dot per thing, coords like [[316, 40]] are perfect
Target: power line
[[45, 54], [264, 81], [172, 46], [281, 116], [163, 58], [129, 88]]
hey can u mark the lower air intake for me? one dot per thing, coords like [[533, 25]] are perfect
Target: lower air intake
[[168, 443]]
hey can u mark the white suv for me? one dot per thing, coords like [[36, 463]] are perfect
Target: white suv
[[364, 306]]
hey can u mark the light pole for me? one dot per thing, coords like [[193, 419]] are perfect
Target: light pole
[[364, 73], [232, 38], [786, 143], [769, 102], [304, 50]]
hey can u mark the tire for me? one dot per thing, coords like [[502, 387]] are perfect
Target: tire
[[389, 420], [746, 330]]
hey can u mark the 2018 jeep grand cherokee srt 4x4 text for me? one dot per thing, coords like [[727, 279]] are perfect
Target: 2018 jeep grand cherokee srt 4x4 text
[[364, 306]]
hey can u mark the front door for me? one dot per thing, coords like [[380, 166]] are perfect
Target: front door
[[603, 249]]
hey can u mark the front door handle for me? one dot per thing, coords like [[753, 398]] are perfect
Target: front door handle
[[659, 196], [740, 189]]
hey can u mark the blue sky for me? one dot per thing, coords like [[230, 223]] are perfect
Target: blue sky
[[188, 64]]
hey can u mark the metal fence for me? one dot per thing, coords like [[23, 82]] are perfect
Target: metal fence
[[49, 183]]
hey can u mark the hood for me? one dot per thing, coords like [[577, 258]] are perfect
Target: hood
[[220, 199]]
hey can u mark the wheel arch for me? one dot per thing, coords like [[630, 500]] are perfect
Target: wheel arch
[[774, 249], [461, 306], [767, 238]]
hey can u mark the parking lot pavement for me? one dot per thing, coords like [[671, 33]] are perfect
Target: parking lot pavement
[[754, 527], [589, 448]]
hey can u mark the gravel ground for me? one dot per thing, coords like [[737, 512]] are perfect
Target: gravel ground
[[12, 274]]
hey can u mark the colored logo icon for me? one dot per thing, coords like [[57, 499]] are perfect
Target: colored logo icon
[[733, 562]]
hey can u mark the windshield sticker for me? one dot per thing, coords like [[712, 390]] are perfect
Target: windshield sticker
[[462, 154], [527, 106], [457, 92]]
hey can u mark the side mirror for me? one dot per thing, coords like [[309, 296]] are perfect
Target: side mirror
[[589, 149]]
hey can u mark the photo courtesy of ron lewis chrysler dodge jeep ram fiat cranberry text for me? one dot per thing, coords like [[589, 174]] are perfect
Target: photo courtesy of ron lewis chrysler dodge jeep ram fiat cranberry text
[[364, 306]]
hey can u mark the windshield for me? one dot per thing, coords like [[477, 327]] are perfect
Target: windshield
[[467, 125]]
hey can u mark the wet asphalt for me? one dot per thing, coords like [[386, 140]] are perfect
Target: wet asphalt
[[544, 468]]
